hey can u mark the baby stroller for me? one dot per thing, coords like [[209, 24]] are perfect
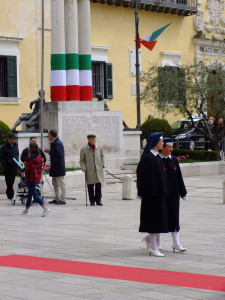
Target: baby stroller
[[22, 192]]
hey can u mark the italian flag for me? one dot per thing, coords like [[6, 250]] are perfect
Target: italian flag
[[71, 77], [58, 77], [149, 41], [85, 77]]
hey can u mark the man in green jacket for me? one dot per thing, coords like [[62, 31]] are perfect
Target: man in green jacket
[[92, 164]]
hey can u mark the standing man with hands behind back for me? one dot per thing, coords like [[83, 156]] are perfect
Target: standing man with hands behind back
[[92, 164], [57, 168]]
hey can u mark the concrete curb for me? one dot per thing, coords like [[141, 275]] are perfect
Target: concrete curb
[[194, 169], [73, 180]]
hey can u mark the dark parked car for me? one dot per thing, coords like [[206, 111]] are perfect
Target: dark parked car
[[187, 137]]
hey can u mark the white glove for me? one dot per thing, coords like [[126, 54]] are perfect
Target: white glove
[[185, 197], [138, 197]]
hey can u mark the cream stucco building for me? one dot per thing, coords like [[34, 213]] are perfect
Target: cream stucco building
[[197, 31]]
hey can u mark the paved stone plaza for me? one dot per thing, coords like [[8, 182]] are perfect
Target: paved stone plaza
[[109, 235]]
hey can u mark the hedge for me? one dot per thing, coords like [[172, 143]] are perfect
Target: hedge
[[155, 125], [4, 132], [198, 154]]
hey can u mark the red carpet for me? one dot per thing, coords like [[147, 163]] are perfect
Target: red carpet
[[197, 281]]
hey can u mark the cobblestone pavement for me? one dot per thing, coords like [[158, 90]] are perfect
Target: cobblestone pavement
[[109, 235]]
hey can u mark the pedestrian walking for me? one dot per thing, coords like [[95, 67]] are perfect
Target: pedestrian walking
[[8, 151], [92, 164], [57, 167], [176, 189], [33, 170], [151, 186]]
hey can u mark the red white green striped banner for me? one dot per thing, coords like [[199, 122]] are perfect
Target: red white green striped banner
[[71, 77], [85, 77], [58, 77]]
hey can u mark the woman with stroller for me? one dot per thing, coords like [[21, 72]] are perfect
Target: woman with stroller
[[33, 169]]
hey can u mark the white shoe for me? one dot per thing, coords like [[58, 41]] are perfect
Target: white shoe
[[178, 247], [146, 241], [24, 212], [159, 247], [155, 252], [45, 212]]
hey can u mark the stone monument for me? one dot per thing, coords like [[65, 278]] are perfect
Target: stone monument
[[72, 112]]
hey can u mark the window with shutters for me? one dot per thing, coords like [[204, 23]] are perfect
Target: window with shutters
[[102, 81], [8, 76]]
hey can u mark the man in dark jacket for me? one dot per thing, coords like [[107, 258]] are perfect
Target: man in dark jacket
[[8, 151], [57, 168], [33, 140]]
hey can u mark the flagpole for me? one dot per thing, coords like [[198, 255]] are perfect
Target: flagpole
[[137, 71], [42, 75], [42, 84]]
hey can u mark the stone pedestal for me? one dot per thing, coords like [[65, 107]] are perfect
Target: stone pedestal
[[132, 147], [23, 139], [127, 191], [74, 120]]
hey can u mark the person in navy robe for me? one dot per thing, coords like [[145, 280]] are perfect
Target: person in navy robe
[[176, 189], [151, 187]]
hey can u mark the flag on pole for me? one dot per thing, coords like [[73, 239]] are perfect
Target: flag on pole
[[149, 41], [137, 35]]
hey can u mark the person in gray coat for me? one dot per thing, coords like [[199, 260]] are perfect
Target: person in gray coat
[[92, 164]]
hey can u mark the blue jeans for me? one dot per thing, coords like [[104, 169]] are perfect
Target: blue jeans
[[32, 191]]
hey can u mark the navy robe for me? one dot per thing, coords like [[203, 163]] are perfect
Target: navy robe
[[176, 189], [151, 186]]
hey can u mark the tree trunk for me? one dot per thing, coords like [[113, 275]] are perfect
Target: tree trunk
[[216, 144]]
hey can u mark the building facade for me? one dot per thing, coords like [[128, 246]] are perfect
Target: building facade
[[196, 32]]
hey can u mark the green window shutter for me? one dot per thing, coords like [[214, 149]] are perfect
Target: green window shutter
[[108, 82], [12, 76]]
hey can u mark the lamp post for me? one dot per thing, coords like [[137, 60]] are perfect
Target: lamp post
[[42, 76], [42, 85], [137, 68]]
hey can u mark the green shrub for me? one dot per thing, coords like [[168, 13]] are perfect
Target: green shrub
[[155, 125], [202, 155], [4, 132]]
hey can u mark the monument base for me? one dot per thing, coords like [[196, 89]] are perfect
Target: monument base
[[74, 120], [23, 139]]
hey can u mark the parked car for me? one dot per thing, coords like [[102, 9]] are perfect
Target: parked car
[[188, 137]]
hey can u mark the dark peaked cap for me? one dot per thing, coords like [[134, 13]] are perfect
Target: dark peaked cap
[[89, 136]]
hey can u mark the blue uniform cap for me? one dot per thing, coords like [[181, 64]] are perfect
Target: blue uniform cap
[[168, 141]]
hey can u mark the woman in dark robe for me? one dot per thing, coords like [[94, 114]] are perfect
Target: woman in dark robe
[[176, 189], [151, 186]]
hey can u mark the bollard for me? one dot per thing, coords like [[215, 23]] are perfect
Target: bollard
[[224, 192], [127, 190]]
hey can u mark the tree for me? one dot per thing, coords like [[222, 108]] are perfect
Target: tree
[[155, 125], [194, 88]]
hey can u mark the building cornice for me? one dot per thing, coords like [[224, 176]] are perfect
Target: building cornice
[[11, 39]]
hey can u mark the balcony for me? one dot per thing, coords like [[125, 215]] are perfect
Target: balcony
[[179, 7]]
